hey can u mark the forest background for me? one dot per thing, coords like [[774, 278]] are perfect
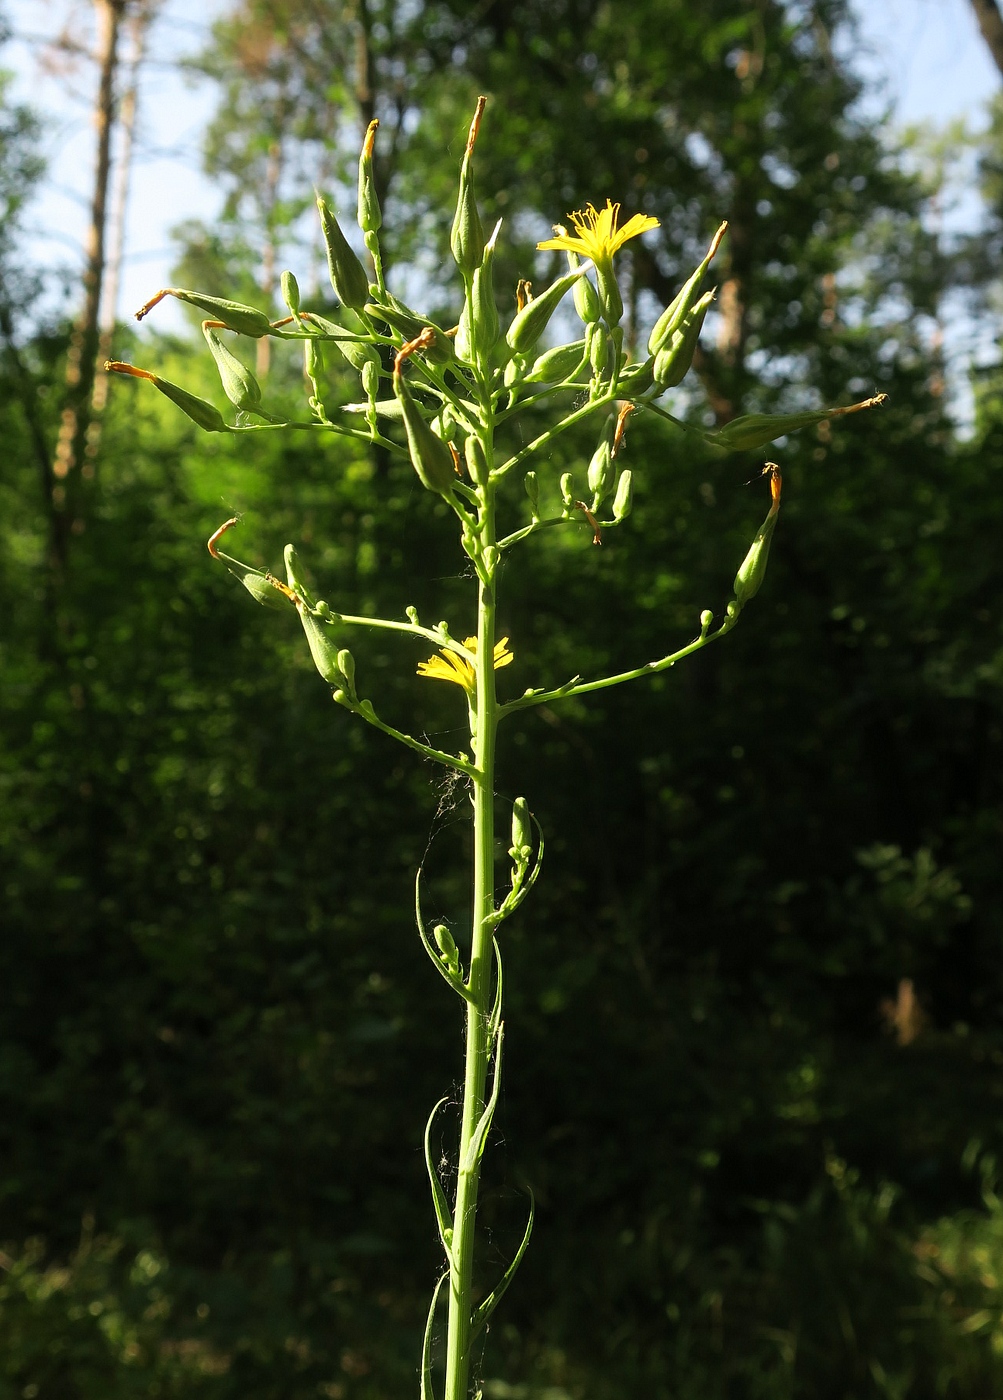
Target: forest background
[[755, 1063]]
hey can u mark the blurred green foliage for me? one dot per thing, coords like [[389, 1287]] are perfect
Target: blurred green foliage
[[762, 1170]]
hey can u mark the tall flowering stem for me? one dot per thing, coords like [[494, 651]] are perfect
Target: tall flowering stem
[[450, 391]]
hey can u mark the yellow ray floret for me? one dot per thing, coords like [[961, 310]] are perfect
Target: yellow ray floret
[[450, 666], [596, 235]]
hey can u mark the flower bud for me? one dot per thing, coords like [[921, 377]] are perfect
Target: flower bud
[[371, 377], [466, 238], [369, 215], [749, 578], [522, 831], [294, 574], [674, 359], [532, 486], [601, 468], [263, 588], [447, 947], [586, 301], [610, 299], [322, 649], [684, 300], [597, 340], [623, 501], [477, 463], [568, 490], [558, 364], [530, 323], [235, 316], [348, 277], [346, 665], [239, 384], [313, 360], [290, 292], [484, 330], [430, 456], [200, 411]]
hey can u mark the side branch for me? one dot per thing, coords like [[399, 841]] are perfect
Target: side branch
[[594, 407], [576, 686], [365, 709]]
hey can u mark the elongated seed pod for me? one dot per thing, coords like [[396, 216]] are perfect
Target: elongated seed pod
[[466, 238], [200, 411], [348, 277], [749, 578], [683, 301], [754, 430], [369, 215], [676, 355], [245, 320]]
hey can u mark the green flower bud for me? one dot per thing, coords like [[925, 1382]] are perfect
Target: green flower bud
[[684, 300], [586, 301], [522, 831], [348, 277], [447, 947], [597, 340], [369, 215], [532, 486], [483, 312], [313, 361], [674, 359], [609, 294], [290, 292], [601, 468], [568, 490], [623, 501], [477, 463], [430, 456], [514, 371], [239, 384], [371, 378], [749, 578], [294, 574], [466, 238], [322, 648], [205, 414], [530, 323], [558, 364], [235, 316], [346, 665]]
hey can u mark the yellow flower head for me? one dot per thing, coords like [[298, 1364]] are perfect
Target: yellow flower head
[[450, 666], [596, 235]]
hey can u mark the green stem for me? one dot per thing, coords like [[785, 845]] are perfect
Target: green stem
[[479, 1039], [651, 668]]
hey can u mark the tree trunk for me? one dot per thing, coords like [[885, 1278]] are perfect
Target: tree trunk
[[138, 29], [987, 12], [82, 354]]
